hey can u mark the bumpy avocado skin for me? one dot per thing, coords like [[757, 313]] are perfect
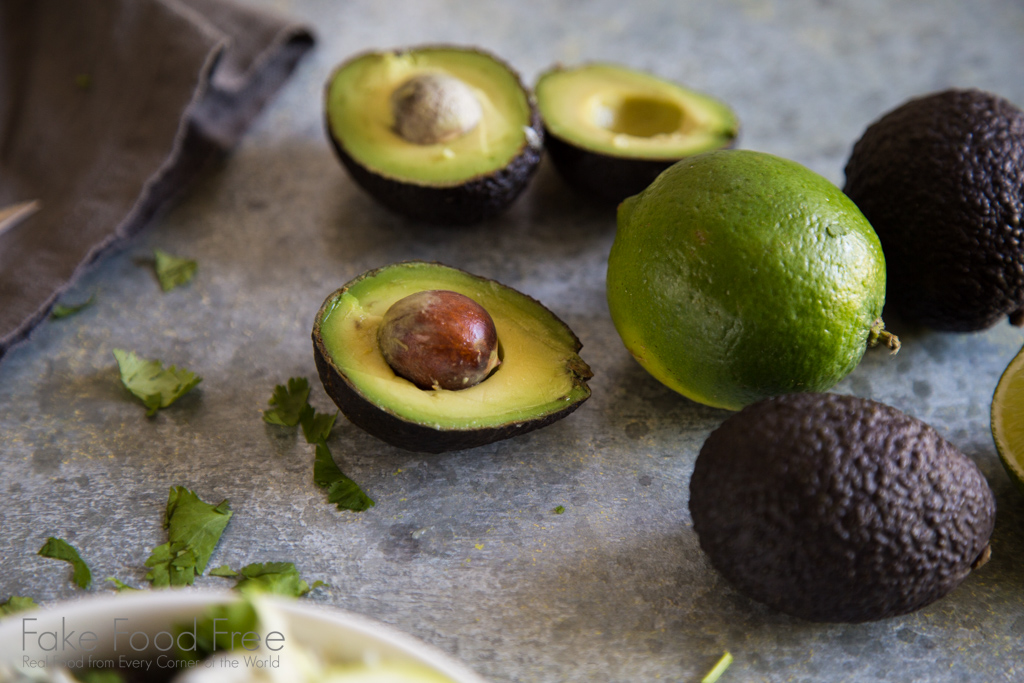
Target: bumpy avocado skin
[[476, 200], [838, 509], [940, 180], [601, 177]]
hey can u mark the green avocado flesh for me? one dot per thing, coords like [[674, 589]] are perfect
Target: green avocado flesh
[[540, 373], [622, 112], [360, 117]]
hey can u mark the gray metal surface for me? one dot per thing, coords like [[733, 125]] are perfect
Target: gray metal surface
[[463, 549]]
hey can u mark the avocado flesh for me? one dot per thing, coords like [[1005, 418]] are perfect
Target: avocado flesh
[[621, 112], [360, 118], [541, 378]]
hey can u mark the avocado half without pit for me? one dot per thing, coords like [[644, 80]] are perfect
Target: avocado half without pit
[[431, 358], [440, 134], [611, 130]]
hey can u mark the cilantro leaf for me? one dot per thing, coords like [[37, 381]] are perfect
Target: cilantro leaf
[[173, 271], [16, 603], [278, 578], [316, 427], [224, 571], [341, 490], [150, 382], [120, 585], [559, 509], [193, 529], [59, 549], [289, 402], [63, 310], [238, 616]]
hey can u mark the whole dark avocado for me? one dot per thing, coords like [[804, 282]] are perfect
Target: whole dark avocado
[[941, 179], [442, 134], [838, 509], [539, 377]]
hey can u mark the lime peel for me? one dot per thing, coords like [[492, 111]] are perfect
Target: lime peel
[[1008, 419]]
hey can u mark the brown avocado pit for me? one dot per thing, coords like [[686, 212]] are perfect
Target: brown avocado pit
[[440, 134], [541, 377], [439, 339]]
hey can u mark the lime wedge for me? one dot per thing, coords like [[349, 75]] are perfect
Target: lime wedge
[[1008, 419]]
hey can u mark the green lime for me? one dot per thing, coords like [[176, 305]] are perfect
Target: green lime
[[1008, 419], [738, 275]]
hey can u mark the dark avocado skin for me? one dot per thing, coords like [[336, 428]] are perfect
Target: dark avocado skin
[[941, 179], [838, 509], [408, 435], [601, 177], [476, 200], [412, 436]]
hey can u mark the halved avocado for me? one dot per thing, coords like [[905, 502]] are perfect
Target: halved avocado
[[611, 130], [483, 137], [541, 378]]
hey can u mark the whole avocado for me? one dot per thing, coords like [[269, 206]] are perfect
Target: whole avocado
[[941, 179], [838, 509]]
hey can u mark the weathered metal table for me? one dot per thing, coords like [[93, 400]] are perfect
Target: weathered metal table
[[464, 549]]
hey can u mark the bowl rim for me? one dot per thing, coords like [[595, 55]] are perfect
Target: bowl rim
[[149, 604]]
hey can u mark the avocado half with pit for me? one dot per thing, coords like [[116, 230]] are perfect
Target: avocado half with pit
[[611, 130], [440, 134], [541, 377]]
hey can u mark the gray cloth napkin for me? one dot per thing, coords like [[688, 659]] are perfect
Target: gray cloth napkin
[[107, 109]]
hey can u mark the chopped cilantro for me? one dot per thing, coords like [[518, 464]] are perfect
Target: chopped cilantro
[[150, 382], [63, 311], [223, 571], [289, 402], [238, 616], [193, 529], [16, 603], [120, 585], [59, 549], [316, 427], [173, 271], [341, 490], [718, 669], [559, 509], [278, 578]]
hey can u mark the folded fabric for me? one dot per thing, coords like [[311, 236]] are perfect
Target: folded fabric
[[107, 109]]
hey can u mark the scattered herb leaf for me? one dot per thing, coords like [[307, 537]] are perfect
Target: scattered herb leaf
[[150, 382], [277, 578], [224, 571], [238, 616], [120, 585], [16, 603], [289, 402], [59, 549], [193, 530], [63, 310], [341, 490], [559, 509], [718, 669], [173, 271], [316, 427]]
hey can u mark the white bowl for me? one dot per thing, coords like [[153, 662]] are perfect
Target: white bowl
[[137, 626]]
